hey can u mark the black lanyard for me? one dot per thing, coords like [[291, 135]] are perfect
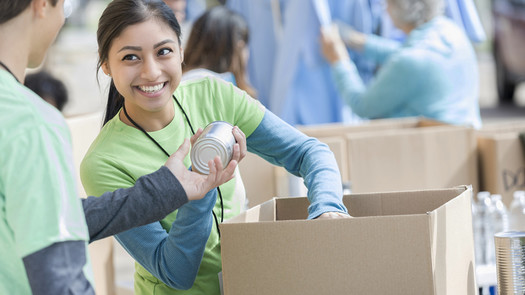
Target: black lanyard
[[167, 154], [9, 71]]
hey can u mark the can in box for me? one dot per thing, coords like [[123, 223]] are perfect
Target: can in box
[[216, 140]]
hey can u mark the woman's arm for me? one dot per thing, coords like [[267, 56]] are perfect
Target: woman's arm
[[283, 145], [174, 257], [151, 198], [400, 80]]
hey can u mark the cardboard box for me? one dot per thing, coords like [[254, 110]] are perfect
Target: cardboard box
[[404, 154], [501, 160], [413, 242]]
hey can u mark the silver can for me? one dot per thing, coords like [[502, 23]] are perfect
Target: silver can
[[216, 140], [510, 262]]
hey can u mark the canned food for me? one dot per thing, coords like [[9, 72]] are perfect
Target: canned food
[[216, 140]]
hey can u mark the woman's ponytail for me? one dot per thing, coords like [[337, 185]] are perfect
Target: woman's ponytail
[[115, 103]]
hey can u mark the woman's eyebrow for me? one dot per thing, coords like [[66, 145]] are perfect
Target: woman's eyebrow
[[163, 42]]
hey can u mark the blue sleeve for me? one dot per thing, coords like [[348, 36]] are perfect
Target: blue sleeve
[[283, 145], [174, 257], [398, 81], [379, 49]]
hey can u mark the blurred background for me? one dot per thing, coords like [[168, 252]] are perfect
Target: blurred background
[[73, 57]]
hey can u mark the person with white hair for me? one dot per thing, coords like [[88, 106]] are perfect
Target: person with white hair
[[433, 73]]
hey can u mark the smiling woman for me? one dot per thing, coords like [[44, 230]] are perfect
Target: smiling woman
[[146, 72], [150, 113]]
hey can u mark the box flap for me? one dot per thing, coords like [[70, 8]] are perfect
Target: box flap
[[261, 212], [453, 246], [371, 204]]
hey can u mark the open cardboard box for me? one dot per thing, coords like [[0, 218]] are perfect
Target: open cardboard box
[[412, 242]]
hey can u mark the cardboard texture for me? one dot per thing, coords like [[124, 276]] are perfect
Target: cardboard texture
[[412, 242], [403, 154], [84, 129], [501, 160]]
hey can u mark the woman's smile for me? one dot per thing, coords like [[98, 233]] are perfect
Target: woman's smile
[[152, 90]]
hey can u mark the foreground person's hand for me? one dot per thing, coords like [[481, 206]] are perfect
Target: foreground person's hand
[[197, 185]]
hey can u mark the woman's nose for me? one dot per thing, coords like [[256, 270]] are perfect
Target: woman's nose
[[150, 70]]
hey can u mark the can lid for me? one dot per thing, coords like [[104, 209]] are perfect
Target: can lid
[[510, 234], [205, 150]]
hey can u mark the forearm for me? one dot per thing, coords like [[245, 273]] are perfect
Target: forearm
[[302, 156], [350, 86], [151, 198], [59, 269], [174, 257]]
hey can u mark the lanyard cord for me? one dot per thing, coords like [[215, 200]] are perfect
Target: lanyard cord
[[167, 154], [9, 71]]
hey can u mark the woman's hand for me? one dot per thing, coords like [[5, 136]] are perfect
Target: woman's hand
[[333, 215], [240, 137], [197, 185], [332, 46]]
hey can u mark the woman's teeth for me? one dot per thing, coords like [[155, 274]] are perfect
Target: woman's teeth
[[151, 89]]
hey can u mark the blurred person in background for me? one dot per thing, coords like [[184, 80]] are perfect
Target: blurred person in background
[[433, 73], [224, 54], [44, 227], [286, 66], [150, 112], [48, 88]]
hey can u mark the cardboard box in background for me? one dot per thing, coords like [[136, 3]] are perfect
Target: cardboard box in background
[[84, 129], [413, 242], [412, 158], [404, 154], [501, 160]]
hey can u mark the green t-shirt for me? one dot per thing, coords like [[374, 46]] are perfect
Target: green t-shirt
[[121, 154], [39, 205]]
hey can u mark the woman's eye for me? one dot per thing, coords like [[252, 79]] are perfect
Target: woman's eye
[[165, 51], [130, 57]]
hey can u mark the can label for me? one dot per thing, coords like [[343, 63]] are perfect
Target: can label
[[216, 140]]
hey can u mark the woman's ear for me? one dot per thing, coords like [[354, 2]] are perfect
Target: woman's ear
[[40, 7], [105, 69]]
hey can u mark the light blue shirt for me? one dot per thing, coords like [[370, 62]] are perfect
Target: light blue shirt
[[433, 74]]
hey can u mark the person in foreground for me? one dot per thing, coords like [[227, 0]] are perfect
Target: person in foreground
[[149, 113], [44, 227], [433, 73]]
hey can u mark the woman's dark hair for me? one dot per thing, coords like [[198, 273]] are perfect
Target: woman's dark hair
[[11, 8], [213, 44], [117, 16]]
